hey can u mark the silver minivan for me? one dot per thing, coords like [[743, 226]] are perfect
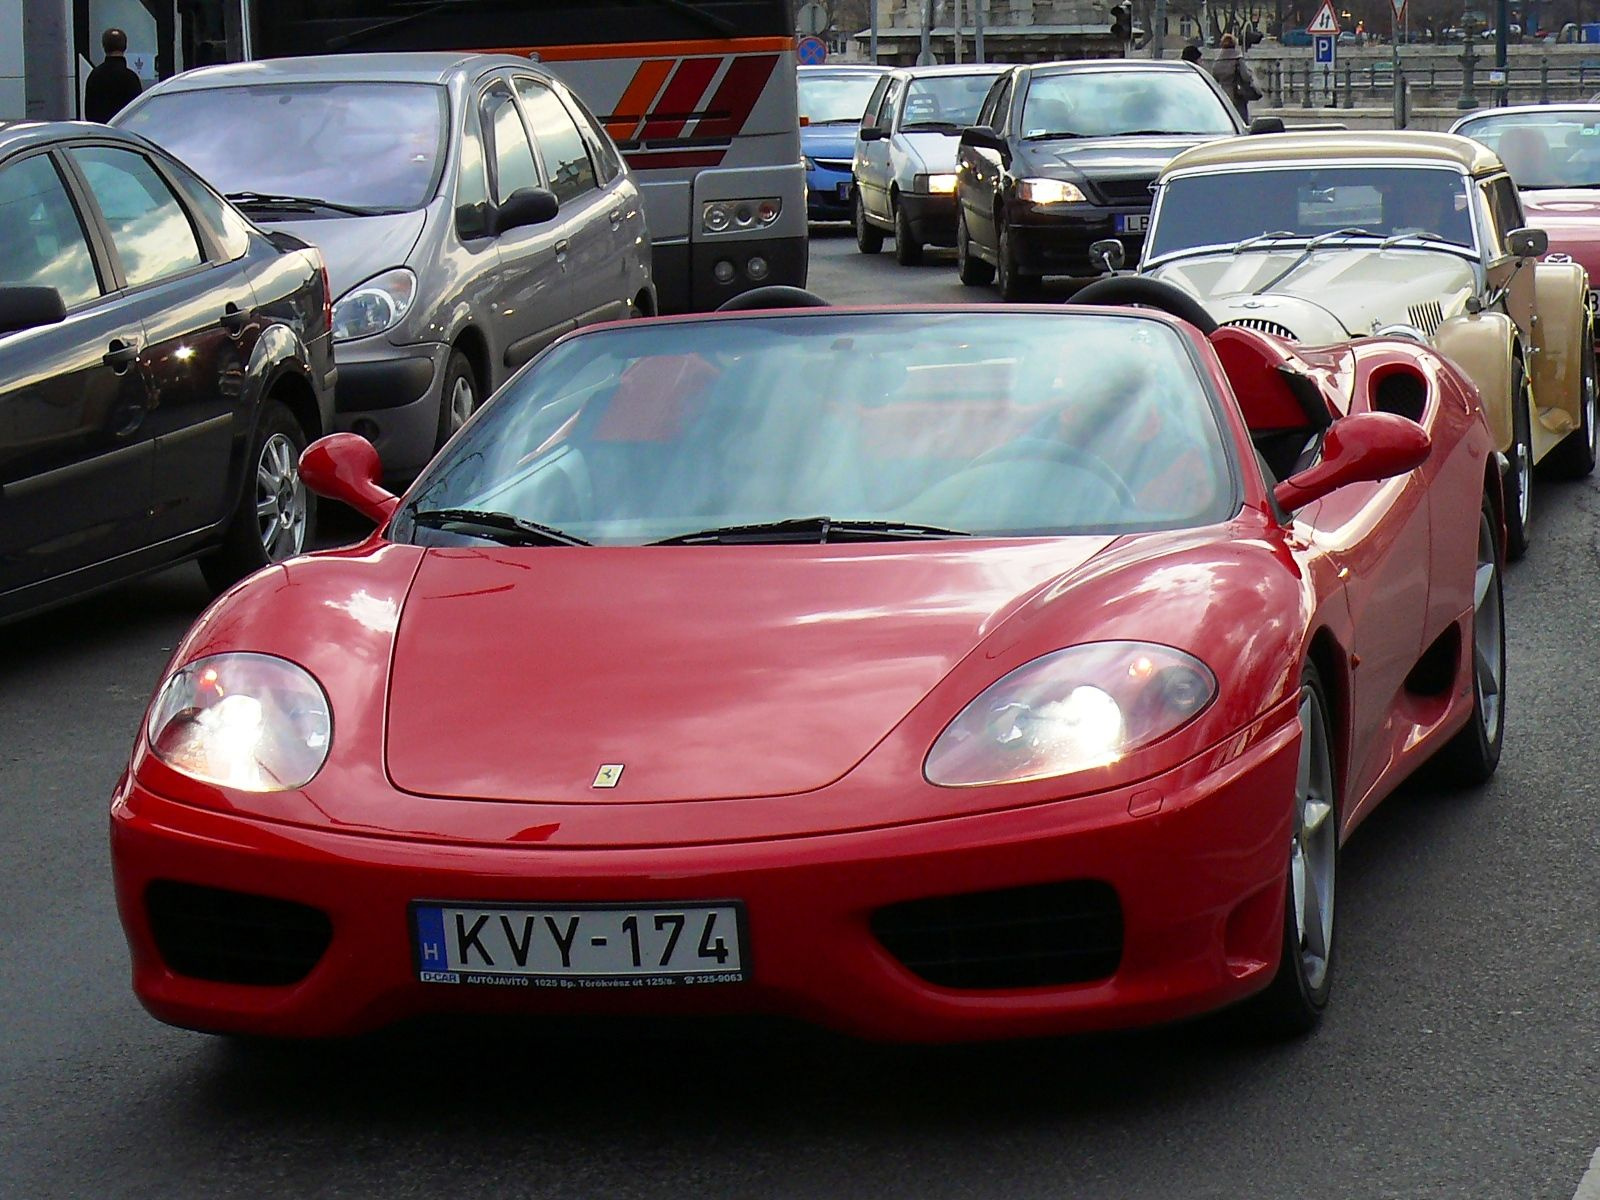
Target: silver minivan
[[470, 209]]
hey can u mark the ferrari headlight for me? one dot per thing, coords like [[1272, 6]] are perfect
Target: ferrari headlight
[[374, 306], [938, 185], [1051, 191], [247, 721], [1084, 707]]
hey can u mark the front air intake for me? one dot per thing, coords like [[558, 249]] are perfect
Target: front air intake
[[234, 937], [1045, 935]]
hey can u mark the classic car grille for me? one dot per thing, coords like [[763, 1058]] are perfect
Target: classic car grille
[[1039, 936], [233, 937], [833, 164], [1261, 325], [1125, 191], [1427, 317]]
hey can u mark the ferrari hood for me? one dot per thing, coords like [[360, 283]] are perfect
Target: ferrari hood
[[704, 673], [1329, 297]]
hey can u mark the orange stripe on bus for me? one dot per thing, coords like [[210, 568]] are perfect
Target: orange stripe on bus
[[635, 101], [656, 49]]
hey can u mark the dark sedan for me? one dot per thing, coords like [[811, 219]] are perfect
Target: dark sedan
[[162, 364], [1063, 155]]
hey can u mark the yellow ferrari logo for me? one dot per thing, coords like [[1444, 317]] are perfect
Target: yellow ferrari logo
[[608, 776]]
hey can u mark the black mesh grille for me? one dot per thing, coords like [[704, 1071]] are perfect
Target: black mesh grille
[[1040, 936], [232, 937], [1125, 191]]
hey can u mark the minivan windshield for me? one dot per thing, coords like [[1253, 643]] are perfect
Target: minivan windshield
[[931, 425], [371, 146]]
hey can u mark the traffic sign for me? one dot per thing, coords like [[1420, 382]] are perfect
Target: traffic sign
[[1399, 7], [811, 52], [1323, 50], [1326, 20], [812, 18]]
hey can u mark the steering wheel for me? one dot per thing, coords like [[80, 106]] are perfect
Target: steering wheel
[[1050, 450], [1150, 293]]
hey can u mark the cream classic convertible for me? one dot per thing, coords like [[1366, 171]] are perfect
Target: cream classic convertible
[[1323, 237]]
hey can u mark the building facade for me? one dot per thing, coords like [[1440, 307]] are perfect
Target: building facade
[[1013, 30]]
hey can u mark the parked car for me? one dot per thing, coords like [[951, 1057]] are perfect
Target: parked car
[[832, 99], [1105, 736], [905, 156], [162, 365], [470, 208], [1062, 155], [1553, 154], [1318, 237]]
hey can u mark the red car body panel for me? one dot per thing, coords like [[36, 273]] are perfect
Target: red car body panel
[[775, 705], [1571, 216]]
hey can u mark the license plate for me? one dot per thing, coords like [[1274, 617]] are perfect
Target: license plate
[[844, 191], [578, 946], [1132, 222]]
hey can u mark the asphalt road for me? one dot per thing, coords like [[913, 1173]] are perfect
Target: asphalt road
[[1460, 1057]]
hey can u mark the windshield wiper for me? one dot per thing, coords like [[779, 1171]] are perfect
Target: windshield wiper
[[936, 126], [1419, 235], [811, 529], [1157, 132], [269, 200], [1275, 235], [1311, 248], [1052, 135], [495, 526]]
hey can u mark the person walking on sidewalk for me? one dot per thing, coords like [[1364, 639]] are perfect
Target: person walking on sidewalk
[[1233, 73], [112, 85]]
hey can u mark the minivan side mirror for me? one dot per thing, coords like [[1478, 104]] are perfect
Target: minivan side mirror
[[1362, 448], [525, 206], [1527, 243], [29, 307]]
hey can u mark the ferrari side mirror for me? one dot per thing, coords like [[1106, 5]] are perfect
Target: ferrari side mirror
[[345, 467], [1362, 448]]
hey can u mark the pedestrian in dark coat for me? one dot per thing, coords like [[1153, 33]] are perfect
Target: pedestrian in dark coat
[[1190, 53], [111, 85], [1233, 73]]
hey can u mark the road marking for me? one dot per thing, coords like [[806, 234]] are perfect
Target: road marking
[[1589, 1185]]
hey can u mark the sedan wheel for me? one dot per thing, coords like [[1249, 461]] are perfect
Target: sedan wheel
[[907, 249], [974, 272], [1471, 757], [869, 238], [276, 515], [1014, 285], [280, 499], [1294, 1002]]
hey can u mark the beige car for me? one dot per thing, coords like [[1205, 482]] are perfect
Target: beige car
[[1323, 237]]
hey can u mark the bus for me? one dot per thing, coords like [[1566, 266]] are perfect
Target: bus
[[699, 95]]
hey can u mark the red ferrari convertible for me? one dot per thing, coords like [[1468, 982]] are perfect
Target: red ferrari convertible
[[923, 673]]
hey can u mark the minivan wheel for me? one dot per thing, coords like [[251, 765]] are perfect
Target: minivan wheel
[[277, 514], [459, 399]]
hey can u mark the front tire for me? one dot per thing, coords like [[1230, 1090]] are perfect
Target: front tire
[[1575, 456], [1294, 1001], [869, 238], [1014, 285], [907, 249], [974, 272], [1471, 756], [277, 514], [459, 400], [1519, 480]]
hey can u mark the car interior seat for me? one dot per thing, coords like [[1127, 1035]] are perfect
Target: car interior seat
[[1282, 408], [1525, 154]]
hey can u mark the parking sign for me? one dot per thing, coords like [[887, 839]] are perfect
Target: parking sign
[[1323, 51]]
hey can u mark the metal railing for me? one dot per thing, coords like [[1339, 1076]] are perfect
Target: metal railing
[[1463, 81]]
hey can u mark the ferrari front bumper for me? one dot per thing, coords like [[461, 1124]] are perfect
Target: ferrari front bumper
[[1196, 858]]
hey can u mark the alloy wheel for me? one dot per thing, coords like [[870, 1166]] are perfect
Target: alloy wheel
[[462, 402], [1488, 623], [281, 504], [1314, 848]]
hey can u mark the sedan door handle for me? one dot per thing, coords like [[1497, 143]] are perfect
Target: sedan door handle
[[233, 318], [616, 218], [561, 250], [120, 355]]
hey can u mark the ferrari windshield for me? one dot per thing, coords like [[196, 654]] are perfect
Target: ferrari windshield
[[835, 426], [1553, 148], [1104, 103], [1290, 205]]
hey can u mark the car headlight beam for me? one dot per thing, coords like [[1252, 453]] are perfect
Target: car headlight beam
[[1050, 191], [1071, 710], [938, 185], [249, 721]]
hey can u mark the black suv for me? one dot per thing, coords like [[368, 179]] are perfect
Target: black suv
[[162, 364], [1063, 155]]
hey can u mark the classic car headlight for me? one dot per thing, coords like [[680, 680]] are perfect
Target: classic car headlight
[[374, 306], [247, 721], [939, 185], [1072, 710], [1051, 191], [1410, 332]]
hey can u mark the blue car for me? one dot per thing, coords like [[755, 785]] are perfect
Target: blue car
[[832, 99]]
